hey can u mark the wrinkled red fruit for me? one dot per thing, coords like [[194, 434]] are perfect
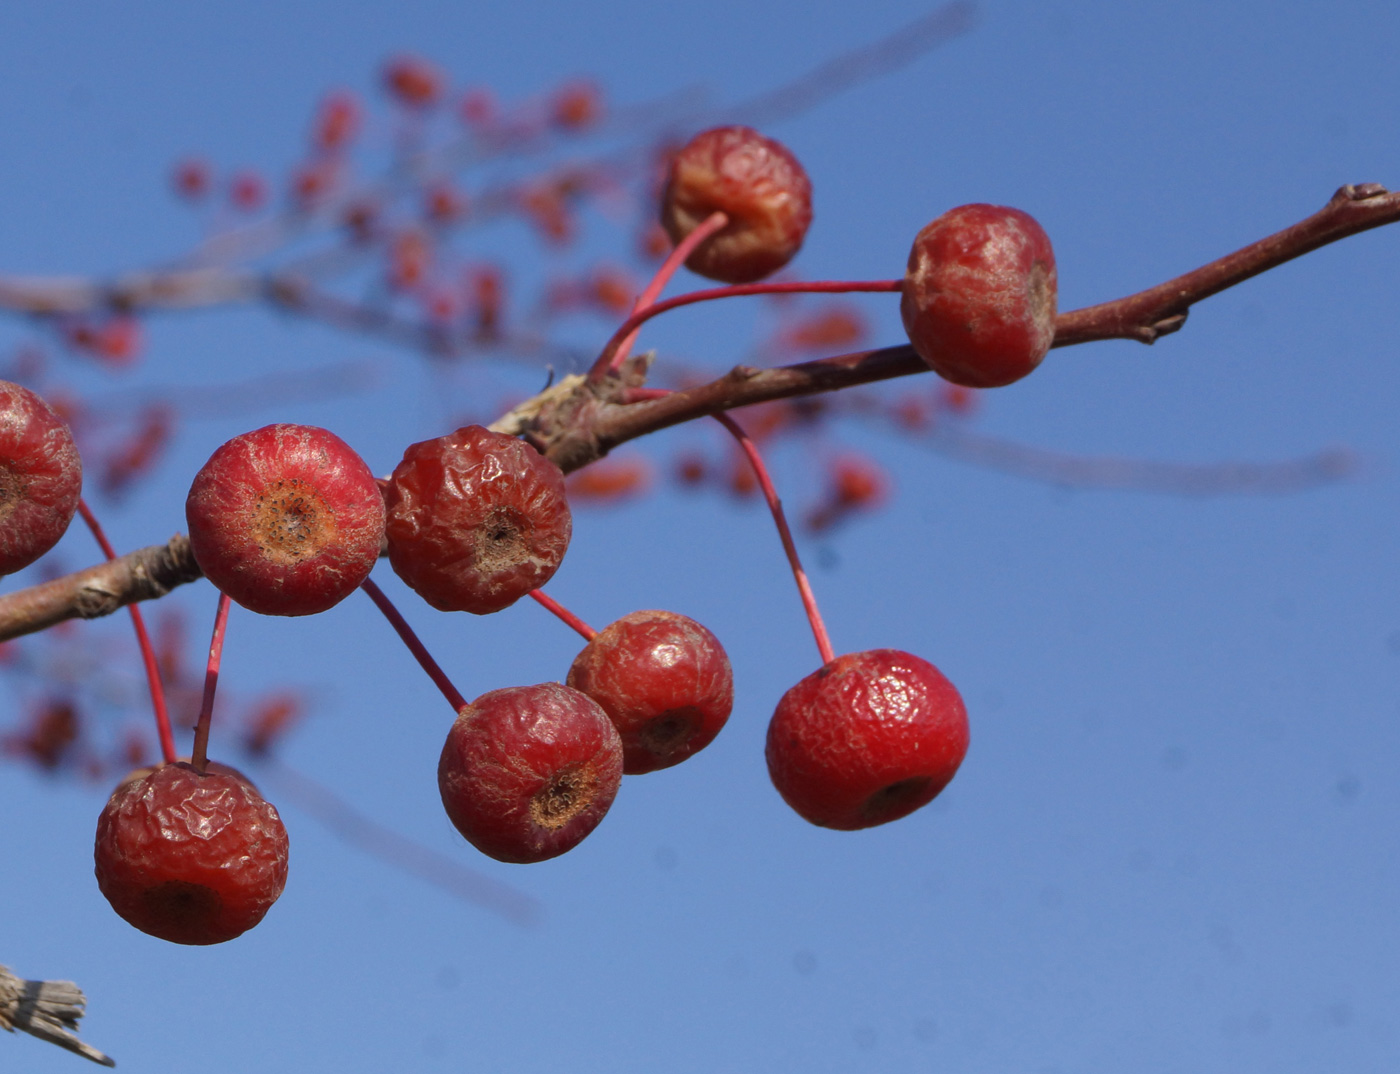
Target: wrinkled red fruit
[[867, 739], [757, 183], [41, 477], [664, 681], [190, 858], [979, 295], [528, 771], [287, 519], [476, 520]]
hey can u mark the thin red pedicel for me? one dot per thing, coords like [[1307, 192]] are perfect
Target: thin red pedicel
[[809, 600], [143, 639], [416, 647], [825, 287], [200, 755], [563, 613], [775, 505], [674, 260]]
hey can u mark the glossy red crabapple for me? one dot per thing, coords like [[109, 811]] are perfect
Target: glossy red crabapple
[[476, 519], [190, 857], [867, 739], [41, 477], [664, 681], [527, 772], [287, 519], [757, 183], [979, 295]]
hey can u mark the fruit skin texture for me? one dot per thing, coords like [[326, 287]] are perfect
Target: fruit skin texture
[[190, 858], [664, 681], [867, 739], [528, 771], [980, 295], [758, 183], [476, 520], [287, 519], [41, 477]]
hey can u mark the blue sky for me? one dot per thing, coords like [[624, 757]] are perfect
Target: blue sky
[[1171, 845]]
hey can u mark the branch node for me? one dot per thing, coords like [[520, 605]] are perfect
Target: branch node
[[1360, 192]]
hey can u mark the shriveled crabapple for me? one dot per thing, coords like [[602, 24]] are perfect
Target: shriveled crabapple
[[528, 771], [287, 519], [191, 857], [753, 180], [979, 295], [664, 681], [866, 739], [41, 477], [476, 519]]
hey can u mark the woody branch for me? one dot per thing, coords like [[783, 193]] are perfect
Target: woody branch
[[576, 423]]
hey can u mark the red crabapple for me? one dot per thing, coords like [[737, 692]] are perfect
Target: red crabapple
[[868, 738], [41, 477], [287, 519], [190, 857], [757, 183], [528, 771], [664, 681], [979, 295], [476, 520]]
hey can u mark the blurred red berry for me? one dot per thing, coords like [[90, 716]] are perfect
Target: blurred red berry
[[612, 290], [312, 182], [610, 480], [269, 721], [576, 105], [477, 107], [410, 256], [831, 328], [443, 204], [360, 219], [192, 179], [337, 122], [135, 456], [247, 191], [413, 81], [958, 399], [53, 729], [691, 470]]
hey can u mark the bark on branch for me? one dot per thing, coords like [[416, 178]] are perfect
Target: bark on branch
[[144, 574], [576, 423]]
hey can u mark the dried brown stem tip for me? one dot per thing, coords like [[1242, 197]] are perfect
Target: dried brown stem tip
[[49, 1010]]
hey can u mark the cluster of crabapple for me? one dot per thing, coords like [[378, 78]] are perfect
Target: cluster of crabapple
[[289, 520]]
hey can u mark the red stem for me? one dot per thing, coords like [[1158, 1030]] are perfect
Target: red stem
[[200, 755], [809, 601], [416, 647], [826, 287], [674, 260], [568, 617], [143, 640]]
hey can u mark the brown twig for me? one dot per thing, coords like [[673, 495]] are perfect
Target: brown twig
[[141, 575], [576, 423], [1161, 310]]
